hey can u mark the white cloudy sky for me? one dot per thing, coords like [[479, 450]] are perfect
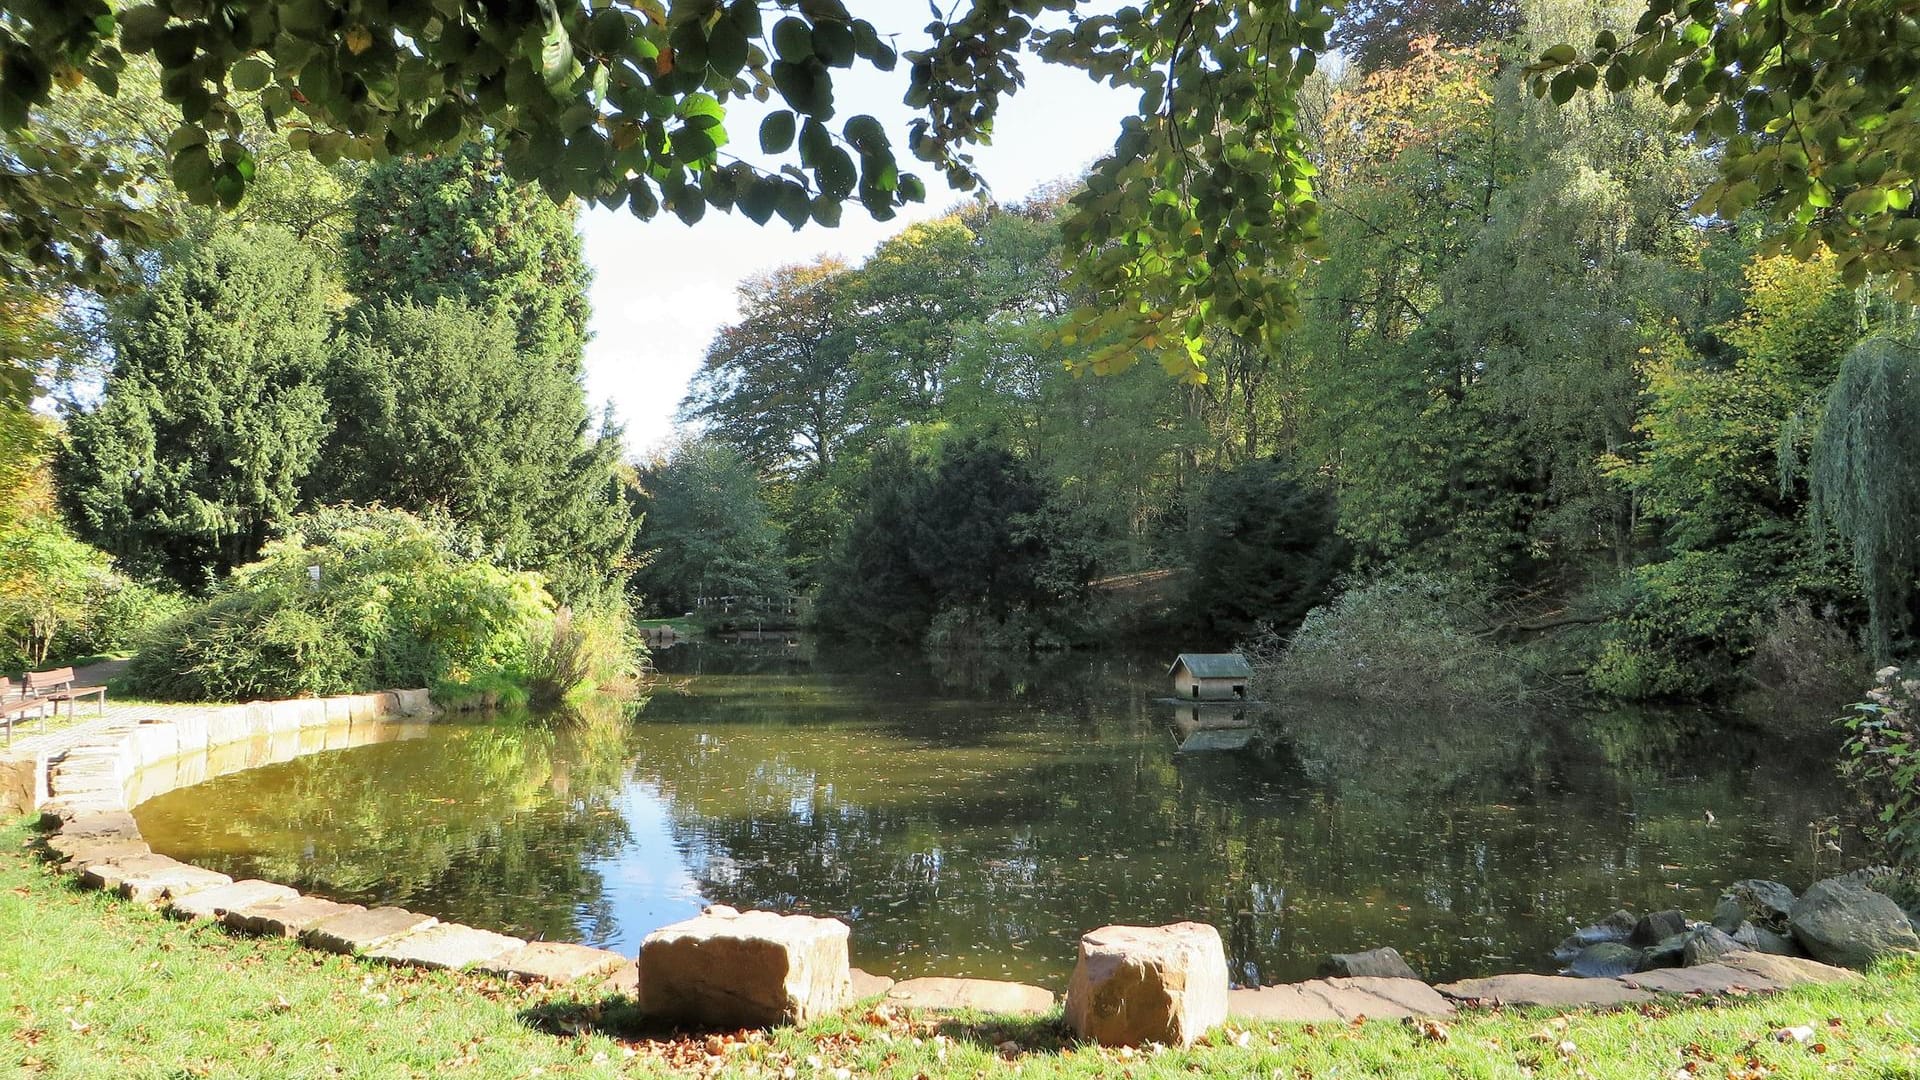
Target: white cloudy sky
[[661, 289]]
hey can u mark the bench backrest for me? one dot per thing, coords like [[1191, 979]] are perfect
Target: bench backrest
[[6, 687], [49, 680]]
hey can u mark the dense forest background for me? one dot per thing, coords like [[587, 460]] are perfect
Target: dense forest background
[[1532, 414], [1531, 406]]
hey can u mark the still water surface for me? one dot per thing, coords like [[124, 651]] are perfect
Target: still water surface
[[970, 820]]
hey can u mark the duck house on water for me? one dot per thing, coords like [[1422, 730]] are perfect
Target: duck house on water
[[1211, 677]]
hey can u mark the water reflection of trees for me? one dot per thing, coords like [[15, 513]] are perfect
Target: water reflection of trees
[[497, 824], [1465, 841]]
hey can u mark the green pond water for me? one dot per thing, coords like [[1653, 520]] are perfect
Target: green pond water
[[974, 820]]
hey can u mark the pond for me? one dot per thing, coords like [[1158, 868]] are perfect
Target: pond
[[974, 819]]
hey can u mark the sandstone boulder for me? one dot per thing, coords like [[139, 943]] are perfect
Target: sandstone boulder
[[1141, 984], [727, 969], [1844, 923], [1382, 963]]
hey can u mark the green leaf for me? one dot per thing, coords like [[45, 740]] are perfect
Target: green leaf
[[776, 132], [792, 40], [1560, 55], [833, 43], [1563, 87], [758, 199], [727, 47], [249, 74], [556, 53]]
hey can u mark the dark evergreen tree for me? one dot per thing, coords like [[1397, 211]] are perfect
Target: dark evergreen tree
[[458, 376], [213, 411], [454, 227], [438, 410], [1264, 550], [978, 532]]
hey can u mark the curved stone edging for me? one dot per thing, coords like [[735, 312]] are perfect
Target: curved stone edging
[[85, 787]]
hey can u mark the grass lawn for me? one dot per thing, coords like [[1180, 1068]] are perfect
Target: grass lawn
[[95, 987]]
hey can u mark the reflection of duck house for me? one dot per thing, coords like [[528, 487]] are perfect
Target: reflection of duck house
[[1219, 725], [1210, 677]]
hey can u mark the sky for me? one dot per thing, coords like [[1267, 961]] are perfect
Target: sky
[[662, 289]]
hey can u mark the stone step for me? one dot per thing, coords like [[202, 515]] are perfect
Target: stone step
[[1340, 999], [215, 903], [554, 962], [867, 985], [160, 884], [110, 873], [446, 946], [986, 995], [1707, 979], [1787, 970], [368, 928], [1552, 991], [287, 918]]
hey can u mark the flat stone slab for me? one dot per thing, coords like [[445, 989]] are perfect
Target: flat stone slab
[[624, 980], [367, 928], [1555, 991], [866, 984], [556, 962], [1707, 979], [1787, 970], [77, 854], [985, 995], [287, 918], [169, 883], [100, 825], [446, 947], [1345, 1000], [108, 873], [215, 903]]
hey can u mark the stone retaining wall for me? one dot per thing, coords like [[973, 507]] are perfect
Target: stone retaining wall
[[85, 780]]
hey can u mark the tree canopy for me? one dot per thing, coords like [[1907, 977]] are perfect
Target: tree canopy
[[1197, 222]]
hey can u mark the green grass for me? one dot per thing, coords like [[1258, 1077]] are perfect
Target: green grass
[[95, 987]]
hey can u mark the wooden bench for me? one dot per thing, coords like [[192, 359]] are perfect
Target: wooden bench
[[14, 706], [57, 686]]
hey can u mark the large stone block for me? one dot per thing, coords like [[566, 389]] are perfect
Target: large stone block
[[1844, 923], [215, 903], [191, 732], [228, 724], [154, 780], [447, 946], [190, 769], [368, 928], [338, 709], [1550, 991], [555, 962], [413, 702], [1141, 984], [986, 995], [266, 718], [110, 872], [287, 918], [154, 741], [20, 780], [160, 884], [725, 968]]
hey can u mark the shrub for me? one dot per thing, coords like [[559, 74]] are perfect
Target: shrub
[[576, 653], [47, 582], [1686, 623], [1882, 760], [1402, 639], [398, 601]]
